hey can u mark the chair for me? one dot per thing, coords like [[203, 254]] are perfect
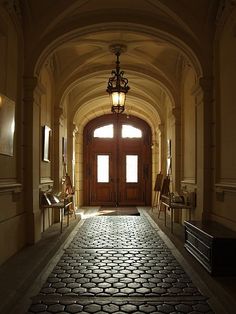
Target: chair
[[165, 191], [157, 190]]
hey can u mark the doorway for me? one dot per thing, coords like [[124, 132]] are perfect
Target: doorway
[[117, 161]]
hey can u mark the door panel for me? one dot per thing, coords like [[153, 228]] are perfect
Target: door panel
[[131, 192], [125, 177], [102, 182]]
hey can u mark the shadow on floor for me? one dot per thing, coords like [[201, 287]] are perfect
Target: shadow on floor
[[22, 269], [224, 287], [18, 274]]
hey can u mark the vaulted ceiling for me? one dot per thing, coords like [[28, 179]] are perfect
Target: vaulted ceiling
[[159, 35]]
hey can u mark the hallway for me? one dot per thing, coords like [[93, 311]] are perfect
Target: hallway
[[118, 264]]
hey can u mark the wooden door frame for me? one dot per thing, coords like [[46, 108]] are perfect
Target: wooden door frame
[[88, 139]]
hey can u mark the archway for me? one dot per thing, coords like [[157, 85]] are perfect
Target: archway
[[80, 81]]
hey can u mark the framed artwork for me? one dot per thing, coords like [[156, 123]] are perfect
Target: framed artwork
[[168, 148], [64, 152], [46, 143], [7, 125], [168, 166]]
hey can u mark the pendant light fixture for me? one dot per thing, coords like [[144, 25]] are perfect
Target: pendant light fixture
[[117, 86]]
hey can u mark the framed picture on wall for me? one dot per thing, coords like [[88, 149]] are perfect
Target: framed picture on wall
[[168, 166], [7, 125], [168, 148], [46, 143], [64, 152]]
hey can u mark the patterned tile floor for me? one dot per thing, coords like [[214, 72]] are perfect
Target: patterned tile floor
[[118, 264]]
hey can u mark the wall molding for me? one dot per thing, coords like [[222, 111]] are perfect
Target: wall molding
[[225, 187], [188, 182], [10, 186], [228, 223], [45, 181]]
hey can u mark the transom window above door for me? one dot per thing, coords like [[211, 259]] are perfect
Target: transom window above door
[[129, 131], [106, 131]]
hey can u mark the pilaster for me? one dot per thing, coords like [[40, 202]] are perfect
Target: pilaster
[[161, 139], [57, 148], [70, 145], [78, 167], [176, 148], [204, 102], [31, 158]]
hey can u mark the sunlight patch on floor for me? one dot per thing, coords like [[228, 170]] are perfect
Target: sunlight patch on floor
[[88, 212]]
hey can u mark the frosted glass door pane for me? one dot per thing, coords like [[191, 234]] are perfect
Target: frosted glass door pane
[[103, 168], [131, 168]]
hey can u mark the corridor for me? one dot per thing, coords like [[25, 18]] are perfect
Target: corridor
[[118, 264]]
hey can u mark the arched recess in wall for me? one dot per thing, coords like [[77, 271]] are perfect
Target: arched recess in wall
[[88, 112], [146, 107]]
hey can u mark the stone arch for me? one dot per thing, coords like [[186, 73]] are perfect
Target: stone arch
[[183, 43], [190, 51]]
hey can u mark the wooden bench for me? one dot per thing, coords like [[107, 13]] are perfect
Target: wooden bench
[[50, 200], [213, 245]]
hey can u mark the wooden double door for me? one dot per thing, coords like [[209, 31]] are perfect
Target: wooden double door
[[117, 161]]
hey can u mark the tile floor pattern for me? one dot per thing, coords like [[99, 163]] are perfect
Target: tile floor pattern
[[118, 264]]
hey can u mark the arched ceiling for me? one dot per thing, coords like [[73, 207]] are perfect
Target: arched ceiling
[[76, 35], [151, 67]]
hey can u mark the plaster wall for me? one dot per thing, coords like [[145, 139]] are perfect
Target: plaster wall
[[224, 197], [44, 84], [189, 133], [156, 143], [46, 119], [170, 140], [64, 161], [12, 212], [79, 167], [188, 128]]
